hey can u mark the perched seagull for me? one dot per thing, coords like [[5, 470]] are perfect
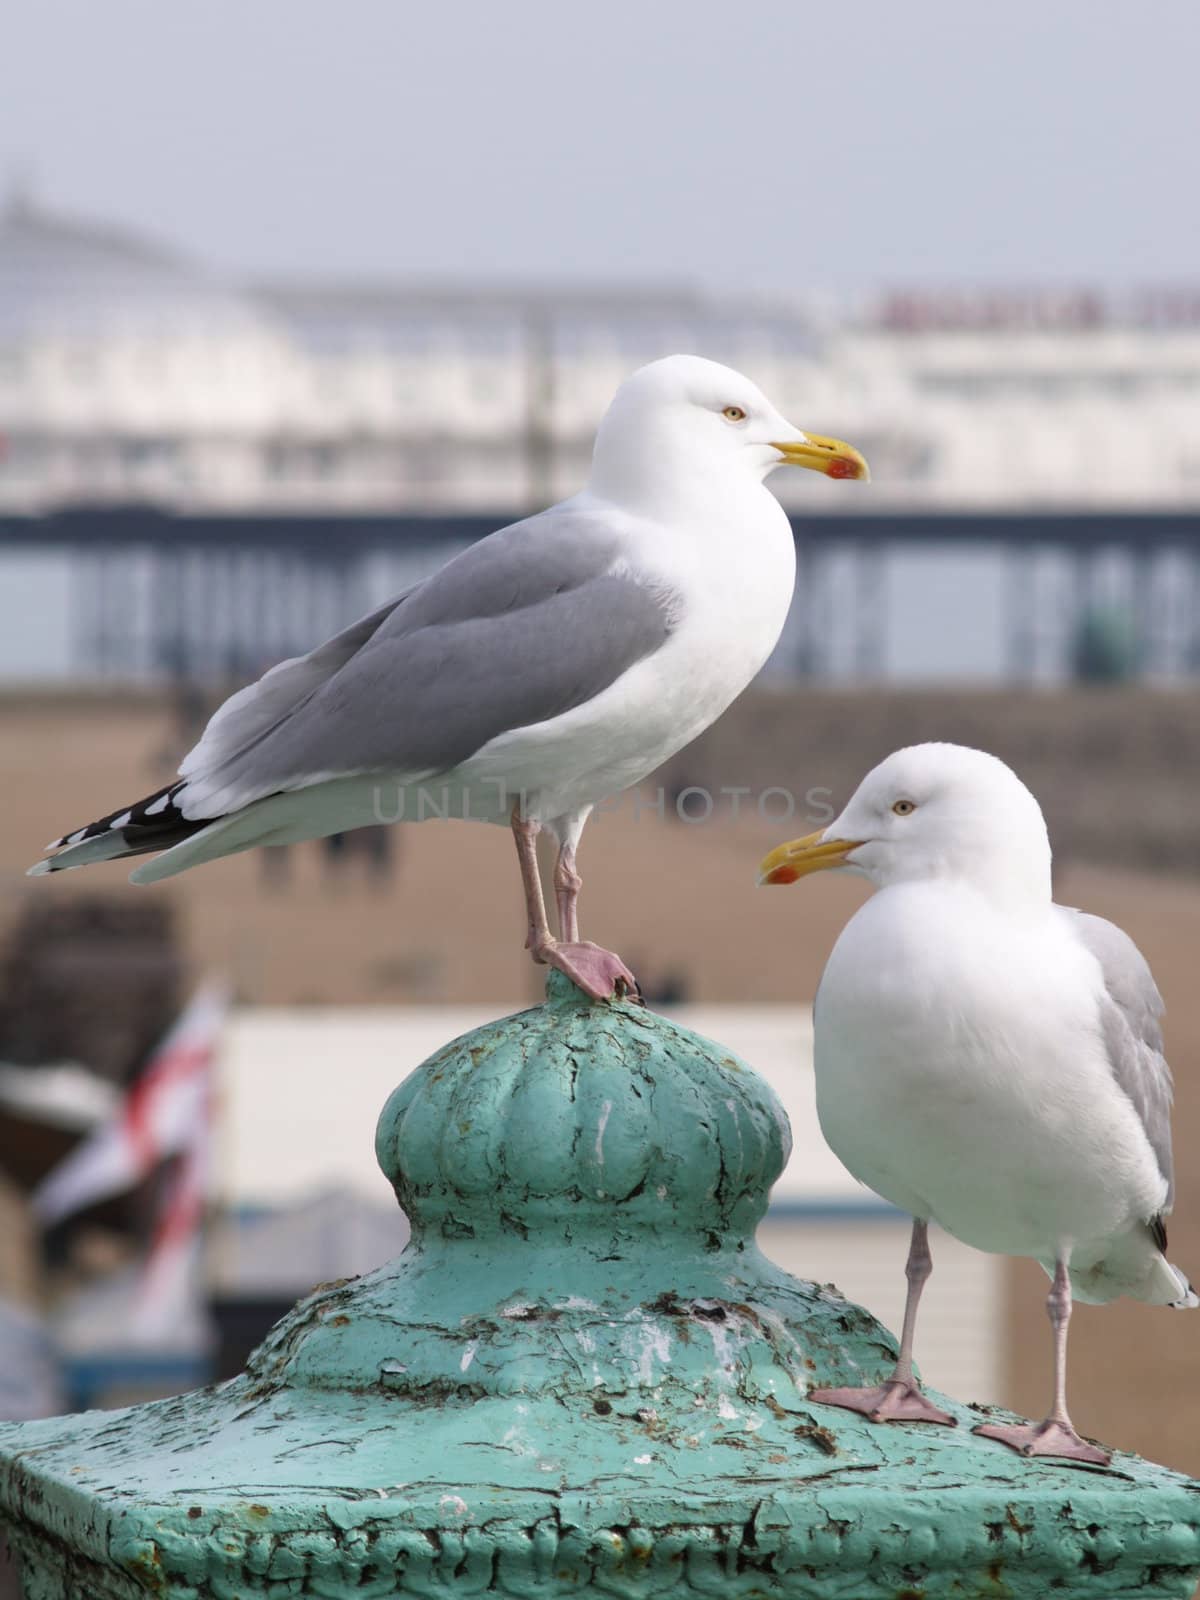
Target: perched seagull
[[550, 665], [987, 1059]]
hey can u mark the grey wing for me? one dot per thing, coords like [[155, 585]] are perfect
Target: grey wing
[[524, 626], [1130, 1018], [248, 716]]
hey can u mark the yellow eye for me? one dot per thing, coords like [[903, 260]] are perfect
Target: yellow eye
[[734, 414], [904, 808]]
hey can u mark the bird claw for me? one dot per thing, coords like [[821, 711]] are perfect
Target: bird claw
[[600, 973], [893, 1401], [1049, 1438]]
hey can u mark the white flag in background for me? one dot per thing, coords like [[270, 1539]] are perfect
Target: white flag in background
[[169, 1301], [166, 1111]]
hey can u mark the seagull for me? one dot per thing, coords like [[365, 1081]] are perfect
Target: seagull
[[543, 669], [989, 1060]]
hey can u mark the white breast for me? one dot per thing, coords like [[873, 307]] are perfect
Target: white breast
[[735, 587], [961, 1073]]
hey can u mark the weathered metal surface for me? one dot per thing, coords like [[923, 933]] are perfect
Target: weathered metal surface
[[580, 1375]]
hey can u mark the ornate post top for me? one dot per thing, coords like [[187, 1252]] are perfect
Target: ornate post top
[[561, 1126], [580, 1375]]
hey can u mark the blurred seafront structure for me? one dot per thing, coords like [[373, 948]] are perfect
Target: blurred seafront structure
[[216, 472], [130, 375]]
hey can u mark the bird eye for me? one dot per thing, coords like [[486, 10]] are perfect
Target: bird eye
[[904, 808], [734, 414]]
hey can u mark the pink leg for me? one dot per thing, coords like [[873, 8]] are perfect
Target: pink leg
[[525, 834], [599, 973], [567, 884], [1055, 1436], [900, 1398]]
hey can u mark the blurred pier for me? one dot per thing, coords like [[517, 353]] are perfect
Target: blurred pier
[[210, 597]]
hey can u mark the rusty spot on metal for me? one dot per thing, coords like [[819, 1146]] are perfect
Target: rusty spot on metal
[[710, 1313], [815, 1434], [1018, 1527], [431, 1391], [532, 1314]]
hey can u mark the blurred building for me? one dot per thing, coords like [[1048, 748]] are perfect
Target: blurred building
[[130, 374], [126, 373], [30, 1385]]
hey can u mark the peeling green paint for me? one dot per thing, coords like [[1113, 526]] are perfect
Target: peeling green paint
[[580, 1375]]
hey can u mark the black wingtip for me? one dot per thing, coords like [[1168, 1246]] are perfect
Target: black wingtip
[[151, 824]]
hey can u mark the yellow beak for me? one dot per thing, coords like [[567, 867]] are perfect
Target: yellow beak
[[799, 857], [831, 456]]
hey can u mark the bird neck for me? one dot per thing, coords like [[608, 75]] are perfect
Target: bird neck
[[709, 505], [1015, 886], [1022, 890], [659, 477]]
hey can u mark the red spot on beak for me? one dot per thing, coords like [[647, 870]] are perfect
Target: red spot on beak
[[782, 875], [840, 467]]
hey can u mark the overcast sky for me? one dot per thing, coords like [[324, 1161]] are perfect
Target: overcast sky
[[764, 145]]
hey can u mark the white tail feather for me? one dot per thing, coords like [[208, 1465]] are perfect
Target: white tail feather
[[1187, 1299], [1132, 1264], [224, 837], [104, 848]]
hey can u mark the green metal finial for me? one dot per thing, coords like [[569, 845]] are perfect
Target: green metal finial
[[581, 1375]]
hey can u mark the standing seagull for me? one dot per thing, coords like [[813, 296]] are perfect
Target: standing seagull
[[546, 667], [987, 1059]]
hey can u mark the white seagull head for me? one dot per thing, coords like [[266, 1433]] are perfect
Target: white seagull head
[[932, 811], [687, 421]]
